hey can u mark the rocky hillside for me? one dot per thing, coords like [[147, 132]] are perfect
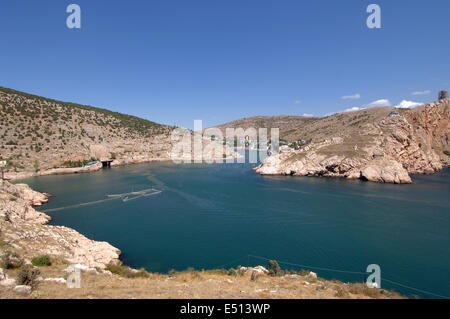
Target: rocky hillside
[[286, 123], [378, 144], [25, 231], [39, 133], [40, 136]]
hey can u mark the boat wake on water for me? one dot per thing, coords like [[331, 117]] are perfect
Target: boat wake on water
[[125, 197]]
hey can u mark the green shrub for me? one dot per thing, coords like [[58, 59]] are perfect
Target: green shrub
[[6, 218], [127, 272], [274, 268], [303, 272], [27, 275], [172, 272], [232, 272], [40, 261], [141, 273], [447, 153]]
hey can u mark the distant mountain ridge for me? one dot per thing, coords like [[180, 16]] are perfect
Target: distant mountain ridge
[[286, 123]]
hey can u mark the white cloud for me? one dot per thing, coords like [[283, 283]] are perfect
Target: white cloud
[[351, 97], [408, 104], [353, 109], [421, 92], [379, 103], [307, 115], [297, 102]]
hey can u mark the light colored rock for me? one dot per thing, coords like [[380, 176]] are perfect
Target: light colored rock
[[5, 281], [386, 172], [260, 270], [8, 283], [372, 285], [22, 290], [242, 270], [312, 275], [57, 280]]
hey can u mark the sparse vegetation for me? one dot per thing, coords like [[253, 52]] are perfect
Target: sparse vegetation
[[51, 132], [447, 153], [130, 122], [80, 163], [303, 272], [27, 275], [128, 272], [10, 260], [274, 268], [6, 217], [232, 272], [36, 165]]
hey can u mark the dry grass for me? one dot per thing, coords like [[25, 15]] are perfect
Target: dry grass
[[195, 284]]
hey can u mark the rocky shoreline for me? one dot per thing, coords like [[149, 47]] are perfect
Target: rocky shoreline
[[27, 231]]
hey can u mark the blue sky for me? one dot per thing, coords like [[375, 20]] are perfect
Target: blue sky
[[173, 61]]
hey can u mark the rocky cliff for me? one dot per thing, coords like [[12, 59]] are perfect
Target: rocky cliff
[[380, 145], [25, 230]]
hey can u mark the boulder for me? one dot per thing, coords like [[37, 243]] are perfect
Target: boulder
[[385, 171], [22, 290], [242, 270], [57, 280], [311, 275], [5, 281], [8, 283]]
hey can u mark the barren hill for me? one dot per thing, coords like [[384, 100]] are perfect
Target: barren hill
[[37, 133]]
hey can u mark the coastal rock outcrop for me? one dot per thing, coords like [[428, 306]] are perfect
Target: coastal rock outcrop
[[382, 145], [385, 172], [26, 231]]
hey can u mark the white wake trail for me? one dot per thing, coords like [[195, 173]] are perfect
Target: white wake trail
[[125, 197]]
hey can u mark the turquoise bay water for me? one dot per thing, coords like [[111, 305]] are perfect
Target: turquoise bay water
[[209, 216]]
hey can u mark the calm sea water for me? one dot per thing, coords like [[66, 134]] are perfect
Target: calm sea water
[[211, 216]]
